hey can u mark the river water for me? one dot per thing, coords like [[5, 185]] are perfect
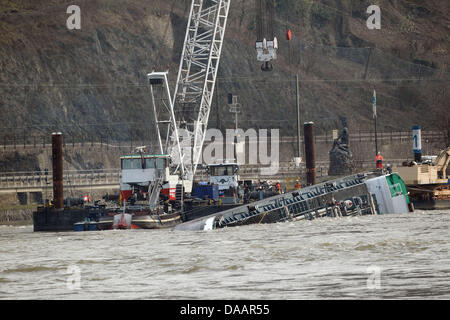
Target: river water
[[401, 256]]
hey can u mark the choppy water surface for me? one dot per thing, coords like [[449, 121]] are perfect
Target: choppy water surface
[[390, 256]]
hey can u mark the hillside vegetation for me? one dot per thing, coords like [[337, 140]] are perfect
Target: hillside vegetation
[[91, 82]]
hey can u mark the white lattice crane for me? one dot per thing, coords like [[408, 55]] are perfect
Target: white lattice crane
[[182, 121]]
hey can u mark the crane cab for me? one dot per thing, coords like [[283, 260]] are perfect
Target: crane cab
[[139, 170], [225, 175]]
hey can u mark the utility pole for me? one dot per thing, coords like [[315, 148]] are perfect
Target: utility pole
[[234, 108], [374, 102]]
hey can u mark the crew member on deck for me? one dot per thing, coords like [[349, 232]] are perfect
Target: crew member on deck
[[278, 187], [379, 161]]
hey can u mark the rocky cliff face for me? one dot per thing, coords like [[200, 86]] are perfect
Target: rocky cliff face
[[91, 82]]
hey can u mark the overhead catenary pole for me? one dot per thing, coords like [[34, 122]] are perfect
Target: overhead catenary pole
[[374, 103], [234, 108], [297, 94]]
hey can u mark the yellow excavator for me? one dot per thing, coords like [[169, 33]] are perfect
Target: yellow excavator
[[428, 182]]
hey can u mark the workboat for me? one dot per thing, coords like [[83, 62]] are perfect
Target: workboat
[[129, 218], [145, 220], [129, 221], [141, 216]]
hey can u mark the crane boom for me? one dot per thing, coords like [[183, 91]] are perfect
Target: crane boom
[[187, 114], [198, 71]]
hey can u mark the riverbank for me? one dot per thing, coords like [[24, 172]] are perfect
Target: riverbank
[[16, 217]]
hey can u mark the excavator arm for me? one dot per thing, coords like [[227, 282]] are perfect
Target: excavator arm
[[442, 163]]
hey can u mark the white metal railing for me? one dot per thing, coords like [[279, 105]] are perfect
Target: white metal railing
[[38, 179], [99, 177]]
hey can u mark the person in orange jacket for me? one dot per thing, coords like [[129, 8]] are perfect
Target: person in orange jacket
[[278, 186], [379, 161]]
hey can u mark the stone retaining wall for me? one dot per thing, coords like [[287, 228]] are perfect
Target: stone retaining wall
[[16, 217]]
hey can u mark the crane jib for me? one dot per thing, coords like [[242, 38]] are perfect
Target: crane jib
[[187, 114]]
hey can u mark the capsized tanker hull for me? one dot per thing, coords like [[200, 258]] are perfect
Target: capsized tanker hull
[[352, 195]]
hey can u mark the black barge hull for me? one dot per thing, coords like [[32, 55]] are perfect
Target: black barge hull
[[50, 219]]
